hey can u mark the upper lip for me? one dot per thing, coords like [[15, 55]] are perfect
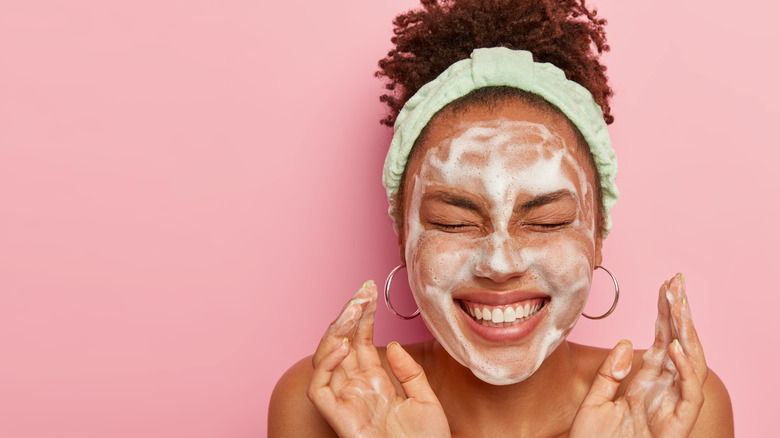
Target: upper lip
[[493, 298]]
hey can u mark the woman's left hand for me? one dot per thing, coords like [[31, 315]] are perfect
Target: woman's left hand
[[665, 396]]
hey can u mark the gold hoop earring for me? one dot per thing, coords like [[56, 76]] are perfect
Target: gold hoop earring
[[387, 295], [614, 303]]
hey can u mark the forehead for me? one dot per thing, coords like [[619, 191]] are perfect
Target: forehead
[[513, 137], [501, 143]]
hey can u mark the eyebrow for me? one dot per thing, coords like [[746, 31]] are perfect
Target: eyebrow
[[452, 199], [547, 199]]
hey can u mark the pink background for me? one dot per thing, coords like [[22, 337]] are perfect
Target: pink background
[[189, 191]]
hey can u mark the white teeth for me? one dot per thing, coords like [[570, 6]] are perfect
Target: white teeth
[[509, 314], [503, 316]]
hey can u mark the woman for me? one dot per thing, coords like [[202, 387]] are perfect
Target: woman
[[500, 179]]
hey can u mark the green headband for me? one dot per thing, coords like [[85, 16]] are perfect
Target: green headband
[[495, 67]]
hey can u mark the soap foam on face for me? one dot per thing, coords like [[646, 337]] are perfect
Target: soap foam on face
[[499, 161]]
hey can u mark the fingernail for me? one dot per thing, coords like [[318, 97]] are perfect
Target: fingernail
[[394, 342], [345, 340], [685, 301], [367, 284], [682, 277], [626, 340]]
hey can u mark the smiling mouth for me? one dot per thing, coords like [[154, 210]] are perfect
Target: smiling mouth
[[503, 316]]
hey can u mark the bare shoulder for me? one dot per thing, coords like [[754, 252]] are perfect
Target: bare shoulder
[[716, 418], [290, 413]]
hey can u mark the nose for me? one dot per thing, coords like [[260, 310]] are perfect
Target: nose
[[500, 258]]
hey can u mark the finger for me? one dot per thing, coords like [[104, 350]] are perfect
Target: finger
[[344, 326], [675, 296], [320, 391], [367, 355], [663, 334], [367, 299], [654, 357], [410, 374], [691, 393], [615, 368], [686, 332]]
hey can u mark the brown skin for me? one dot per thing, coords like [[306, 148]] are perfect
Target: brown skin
[[291, 413], [545, 404]]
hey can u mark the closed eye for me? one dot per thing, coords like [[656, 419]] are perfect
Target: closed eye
[[451, 226], [552, 225], [549, 226]]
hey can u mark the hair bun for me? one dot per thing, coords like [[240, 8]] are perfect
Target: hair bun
[[428, 40]]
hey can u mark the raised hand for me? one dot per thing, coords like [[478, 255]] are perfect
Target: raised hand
[[665, 396], [354, 393]]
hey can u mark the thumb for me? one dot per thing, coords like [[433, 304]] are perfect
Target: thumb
[[410, 374], [615, 368]]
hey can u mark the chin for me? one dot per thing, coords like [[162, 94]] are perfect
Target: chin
[[512, 367], [497, 363]]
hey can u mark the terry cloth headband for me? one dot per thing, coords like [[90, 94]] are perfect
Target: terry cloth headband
[[500, 66]]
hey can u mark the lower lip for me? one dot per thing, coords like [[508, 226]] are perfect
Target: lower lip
[[504, 334]]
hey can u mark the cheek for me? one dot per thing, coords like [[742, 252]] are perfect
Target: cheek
[[567, 269], [568, 259], [439, 261]]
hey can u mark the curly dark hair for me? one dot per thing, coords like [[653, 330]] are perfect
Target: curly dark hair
[[565, 33]]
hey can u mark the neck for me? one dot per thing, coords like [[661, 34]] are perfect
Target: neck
[[542, 404]]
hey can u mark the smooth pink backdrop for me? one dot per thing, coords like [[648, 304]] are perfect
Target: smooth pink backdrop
[[190, 190]]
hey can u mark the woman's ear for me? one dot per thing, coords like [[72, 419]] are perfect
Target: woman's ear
[[599, 244], [402, 247]]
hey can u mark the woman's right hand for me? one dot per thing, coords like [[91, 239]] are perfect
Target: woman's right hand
[[354, 393]]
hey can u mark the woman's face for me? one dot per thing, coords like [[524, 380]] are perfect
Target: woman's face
[[500, 236]]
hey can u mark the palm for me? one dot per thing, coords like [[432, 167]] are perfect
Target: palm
[[353, 391], [366, 401], [664, 397], [646, 410]]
